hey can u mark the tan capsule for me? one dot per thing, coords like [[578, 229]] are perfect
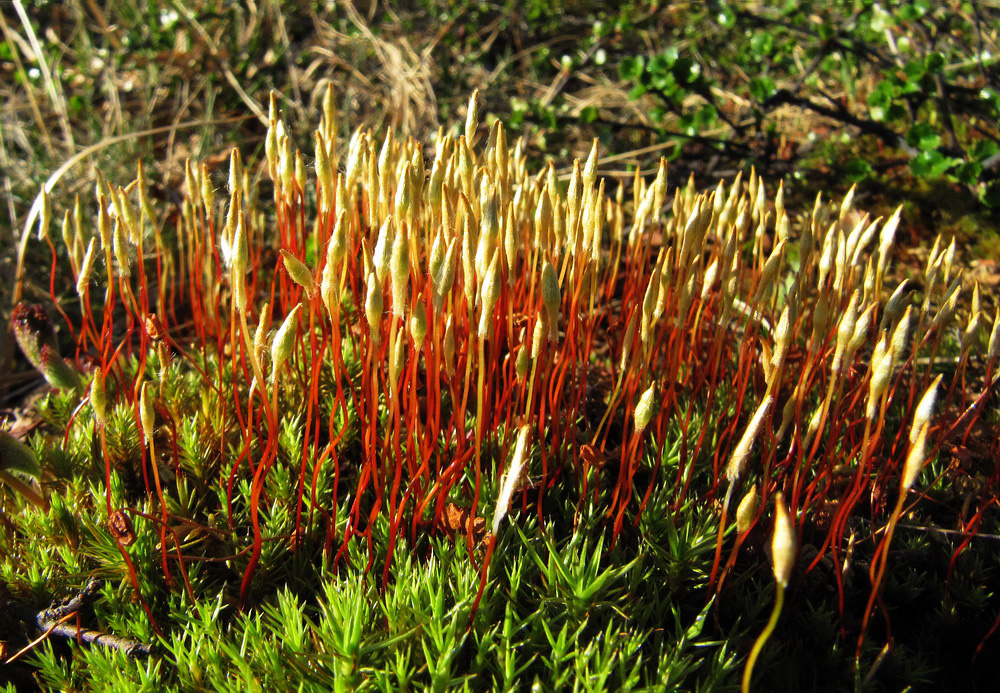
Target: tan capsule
[[737, 463], [241, 249], [886, 238], [490, 294], [627, 342], [398, 358], [522, 363], [896, 303], [260, 334], [418, 325], [860, 335], [329, 111], [45, 216], [502, 153], [901, 334], [146, 412], [120, 246], [445, 278], [404, 196], [747, 510], [552, 298], [783, 542], [472, 117], [86, 267], [400, 273], [512, 476], [646, 408], [284, 341], [99, 396], [590, 168], [925, 408], [436, 257], [879, 383], [845, 333], [382, 254], [915, 457], [993, 350], [468, 266], [104, 224], [373, 307], [299, 273], [538, 336]]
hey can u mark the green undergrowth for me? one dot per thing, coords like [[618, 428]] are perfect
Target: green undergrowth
[[563, 608]]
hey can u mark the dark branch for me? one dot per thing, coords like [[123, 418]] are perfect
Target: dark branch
[[840, 113], [47, 621]]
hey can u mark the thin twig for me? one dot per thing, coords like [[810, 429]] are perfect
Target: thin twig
[[52, 621], [39, 640], [948, 532]]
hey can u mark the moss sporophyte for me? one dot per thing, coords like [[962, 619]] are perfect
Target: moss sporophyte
[[478, 337]]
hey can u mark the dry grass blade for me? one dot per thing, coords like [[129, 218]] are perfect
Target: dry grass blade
[[40, 639], [36, 112], [404, 74], [53, 89]]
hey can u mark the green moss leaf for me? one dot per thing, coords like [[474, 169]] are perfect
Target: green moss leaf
[[15, 456]]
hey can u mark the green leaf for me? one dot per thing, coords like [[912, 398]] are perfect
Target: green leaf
[[706, 117], [699, 623], [895, 112], [990, 96], [631, 68], [762, 44], [991, 195], [880, 99], [911, 11], [686, 71], [661, 64], [548, 117], [923, 137], [762, 88], [726, 17], [77, 106], [931, 164], [914, 69], [636, 92], [969, 172], [934, 62], [665, 82], [857, 170], [984, 149]]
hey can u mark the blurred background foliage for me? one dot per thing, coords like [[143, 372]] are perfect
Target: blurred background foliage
[[902, 98]]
